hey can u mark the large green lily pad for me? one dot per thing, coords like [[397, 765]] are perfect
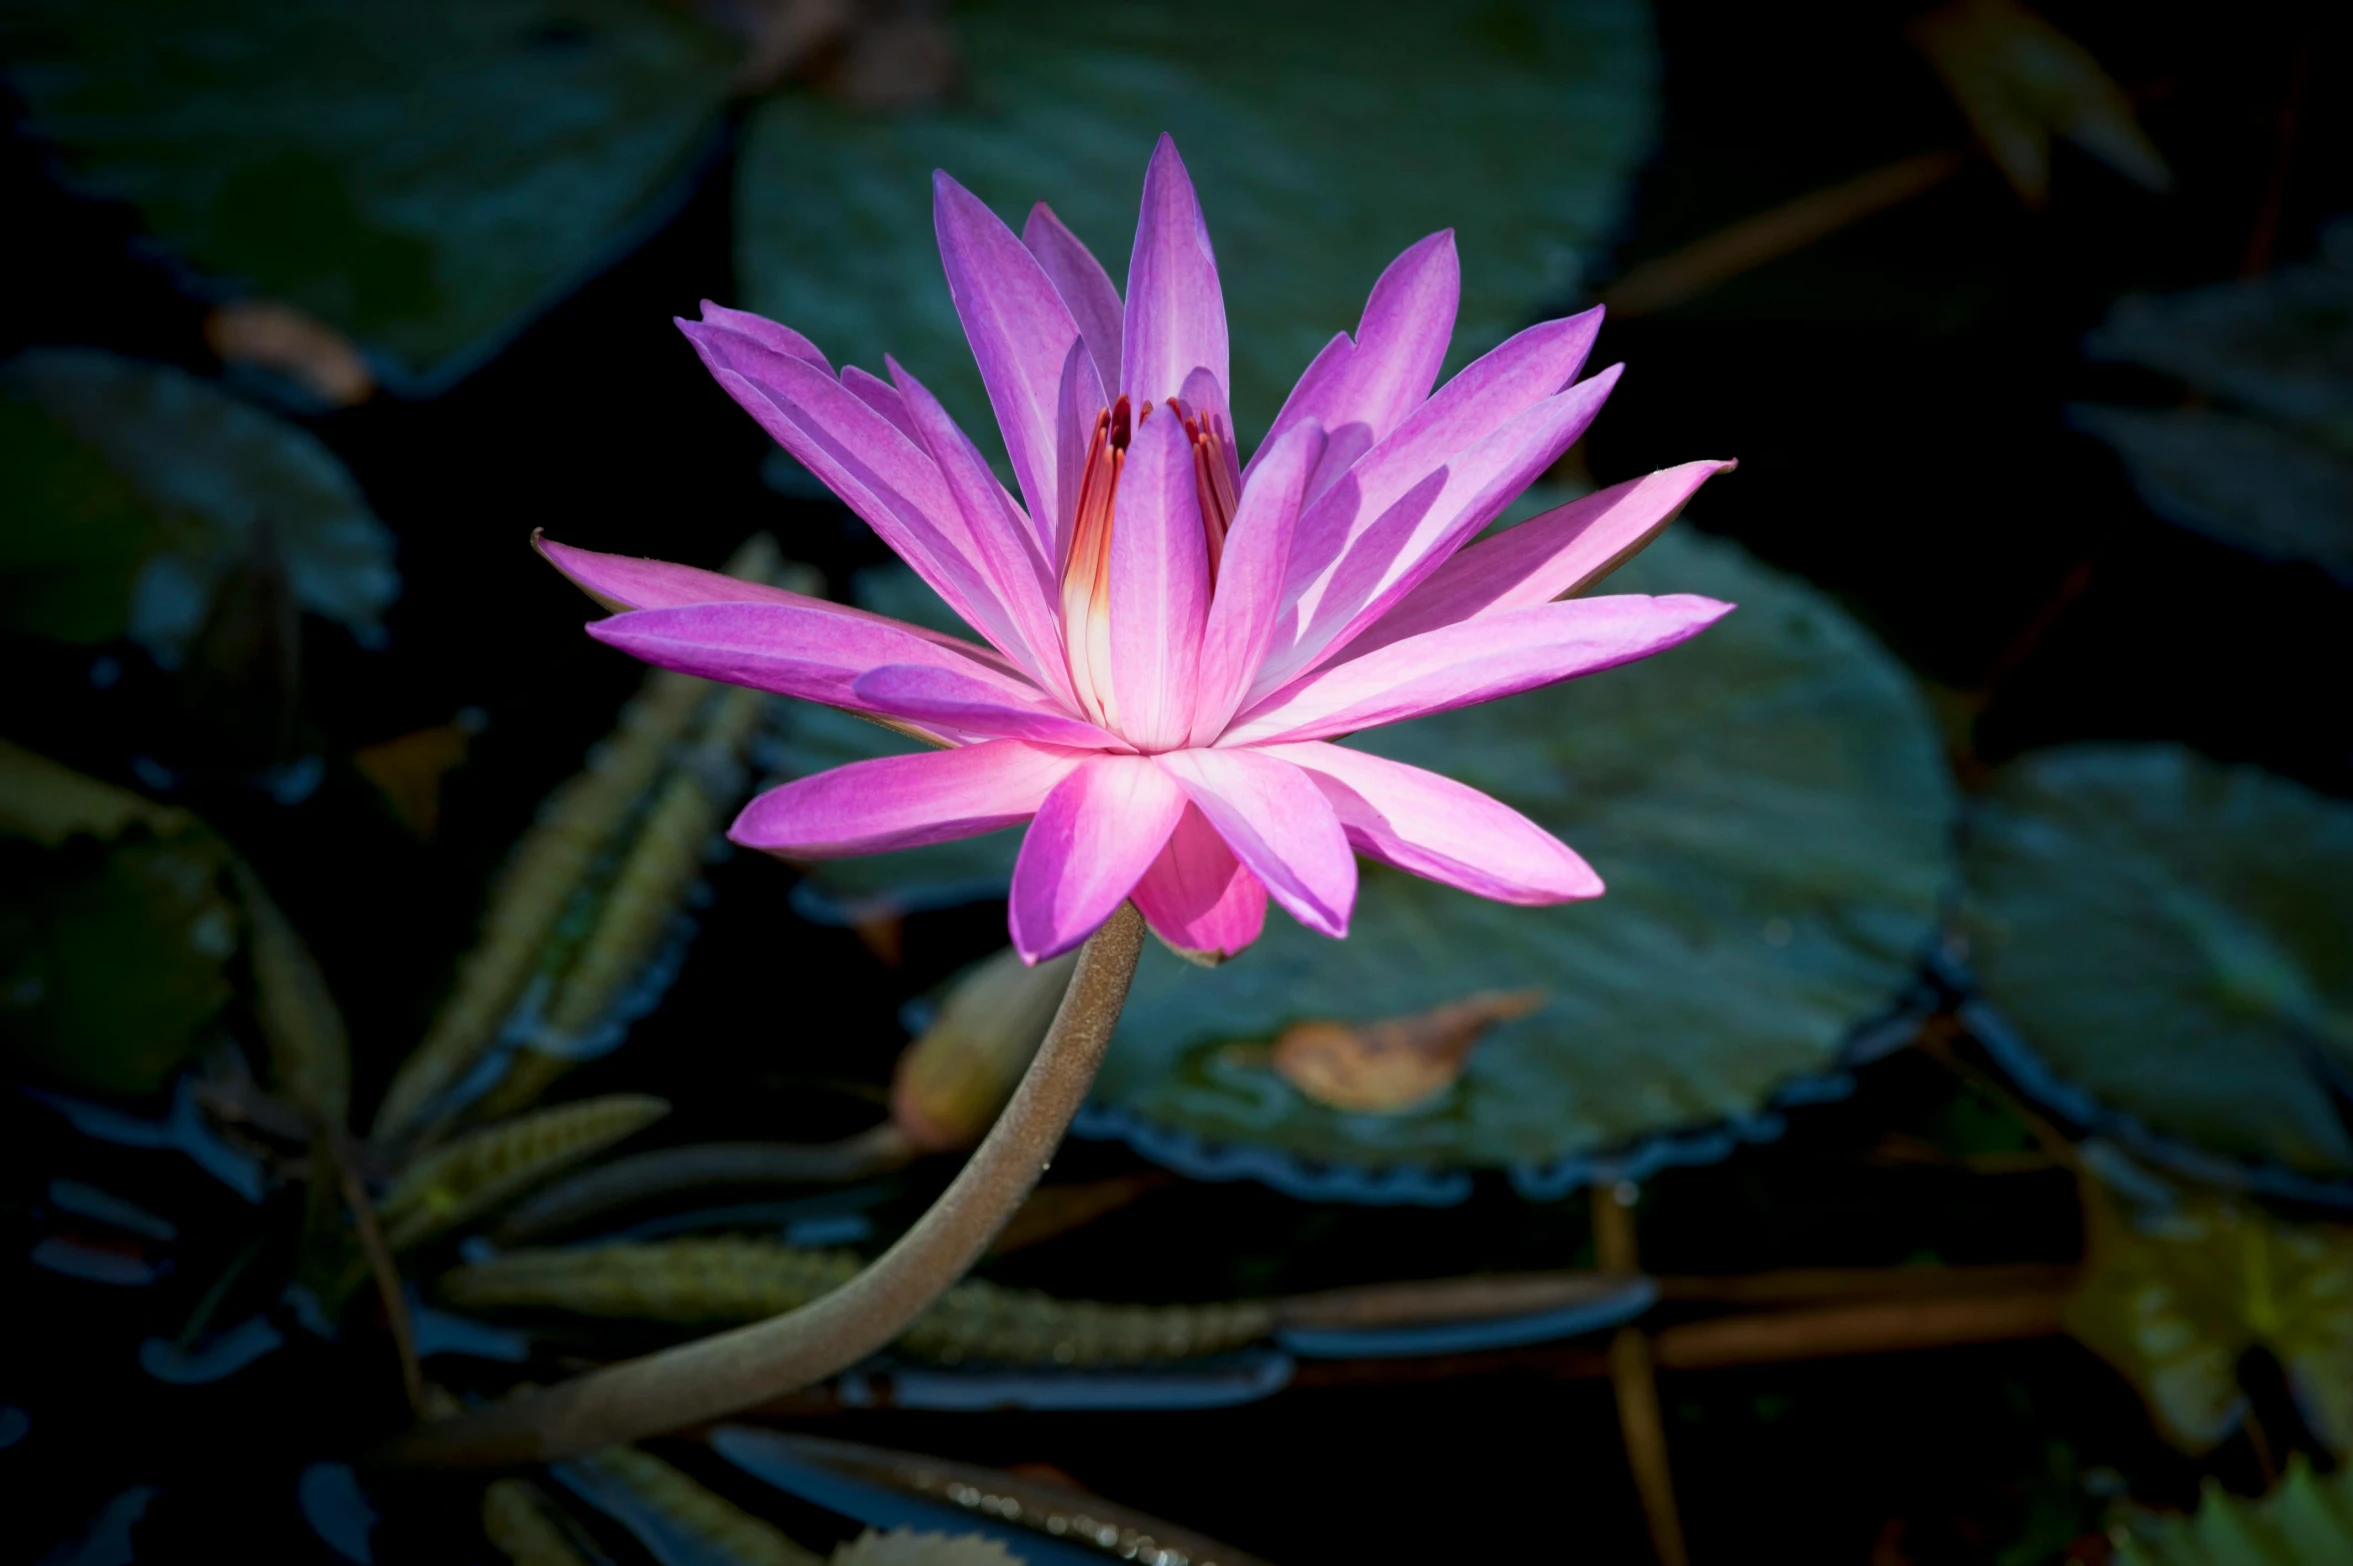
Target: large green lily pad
[[130, 488], [1771, 809], [423, 177], [2165, 947], [2271, 469], [1324, 139]]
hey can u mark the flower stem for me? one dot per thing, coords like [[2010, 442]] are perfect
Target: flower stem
[[729, 1371]]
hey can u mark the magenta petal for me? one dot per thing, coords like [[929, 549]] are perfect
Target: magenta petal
[[1198, 897], [892, 802], [1020, 332], [1401, 548], [1489, 392], [1159, 585], [1399, 347], [1474, 661], [1278, 823], [1083, 284], [1093, 838], [769, 335], [1250, 577], [882, 397], [812, 652], [948, 698], [1015, 588], [1176, 315], [1447, 831], [1551, 556]]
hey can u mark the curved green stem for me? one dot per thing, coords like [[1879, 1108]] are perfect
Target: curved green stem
[[730, 1371]]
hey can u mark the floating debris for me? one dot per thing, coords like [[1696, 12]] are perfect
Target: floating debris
[[1397, 1063]]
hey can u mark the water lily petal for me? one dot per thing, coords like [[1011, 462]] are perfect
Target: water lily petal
[[1490, 390], [888, 480], [1551, 556], [1250, 577], [1198, 897], [773, 336], [1474, 661], [1093, 839], [1020, 332], [882, 397], [1399, 347], [949, 699], [1422, 530], [1159, 585], [1279, 824], [1016, 588], [1445, 831], [1176, 315], [892, 802], [813, 652], [1087, 289]]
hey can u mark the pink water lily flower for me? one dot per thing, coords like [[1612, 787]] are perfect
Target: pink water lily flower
[[1173, 638]]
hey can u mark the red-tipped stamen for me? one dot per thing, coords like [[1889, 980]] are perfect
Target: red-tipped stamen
[[1213, 481], [1086, 575]]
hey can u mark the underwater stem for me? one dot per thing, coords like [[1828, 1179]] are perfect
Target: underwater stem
[[729, 1371]]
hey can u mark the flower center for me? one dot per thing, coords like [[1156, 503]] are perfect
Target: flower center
[[1086, 574]]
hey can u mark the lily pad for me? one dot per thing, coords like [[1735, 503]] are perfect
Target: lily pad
[[132, 488], [422, 177], [2174, 1296], [2270, 471], [1324, 137], [1771, 809], [2165, 949]]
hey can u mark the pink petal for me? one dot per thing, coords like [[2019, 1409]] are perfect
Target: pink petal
[[1250, 577], [1198, 897], [1418, 534], [769, 335], [627, 582], [997, 539], [1399, 348], [1083, 284], [882, 397], [1176, 315], [1159, 585], [1278, 823], [864, 458], [1328, 369], [1488, 392], [892, 802], [1020, 332], [950, 699], [1546, 557], [1093, 838], [1447, 831], [1474, 661], [813, 652]]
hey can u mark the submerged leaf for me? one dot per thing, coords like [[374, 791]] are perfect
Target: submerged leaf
[[589, 896], [517, 1520], [86, 431], [422, 178], [667, 1509], [909, 1547], [2173, 1299], [2308, 1519], [1413, 119], [485, 1169], [1771, 809], [717, 1280], [310, 1053], [2166, 949]]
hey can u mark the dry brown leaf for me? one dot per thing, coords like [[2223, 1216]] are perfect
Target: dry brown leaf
[[408, 772], [299, 346], [2021, 81], [1397, 1063]]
